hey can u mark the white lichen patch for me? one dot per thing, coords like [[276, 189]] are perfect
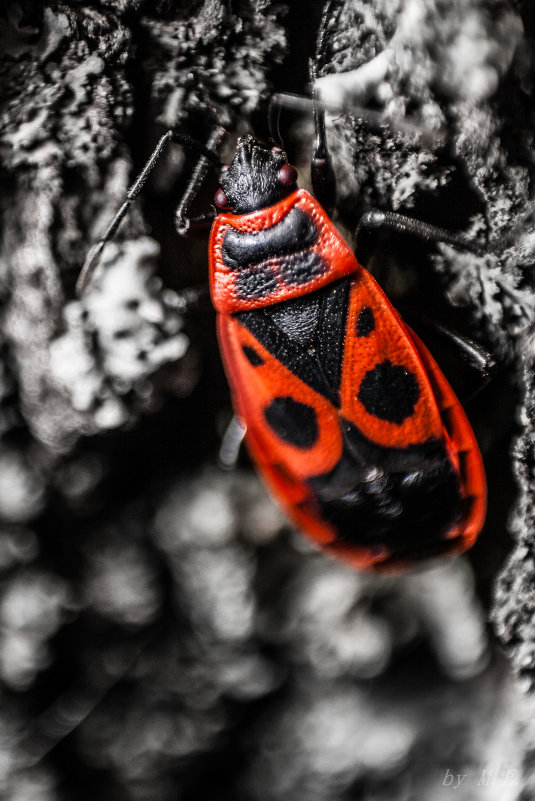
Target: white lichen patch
[[117, 336]]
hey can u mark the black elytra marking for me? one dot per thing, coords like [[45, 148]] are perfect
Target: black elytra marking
[[389, 392], [292, 421], [307, 335], [365, 322], [252, 356], [331, 333], [290, 353], [298, 318]]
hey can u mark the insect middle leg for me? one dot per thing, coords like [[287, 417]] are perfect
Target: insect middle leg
[[477, 364]]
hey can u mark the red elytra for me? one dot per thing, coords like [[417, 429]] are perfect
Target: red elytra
[[377, 419]]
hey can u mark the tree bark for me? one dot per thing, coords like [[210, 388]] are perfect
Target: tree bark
[[163, 632]]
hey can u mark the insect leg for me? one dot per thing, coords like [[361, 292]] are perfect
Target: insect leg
[[469, 365], [321, 168], [477, 361], [376, 220], [95, 252], [182, 221], [231, 444]]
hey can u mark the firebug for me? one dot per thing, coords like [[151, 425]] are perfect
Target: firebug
[[348, 417]]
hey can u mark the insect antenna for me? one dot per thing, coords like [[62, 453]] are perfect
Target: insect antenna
[[322, 173], [207, 155], [321, 168]]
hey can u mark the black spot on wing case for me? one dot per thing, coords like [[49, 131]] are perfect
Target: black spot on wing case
[[294, 422], [389, 392]]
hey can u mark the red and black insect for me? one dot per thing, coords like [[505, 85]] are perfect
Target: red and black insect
[[349, 419]]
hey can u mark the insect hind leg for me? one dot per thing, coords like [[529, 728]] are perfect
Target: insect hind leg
[[231, 443]]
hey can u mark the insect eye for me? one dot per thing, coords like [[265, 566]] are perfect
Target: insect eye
[[276, 149], [220, 199], [287, 175]]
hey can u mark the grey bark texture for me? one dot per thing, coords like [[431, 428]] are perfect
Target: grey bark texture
[[163, 631]]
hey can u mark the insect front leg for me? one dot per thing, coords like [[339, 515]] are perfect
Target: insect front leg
[[182, 221], [207, 156]]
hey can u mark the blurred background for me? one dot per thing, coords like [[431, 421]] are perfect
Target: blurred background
[[164, 633]]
